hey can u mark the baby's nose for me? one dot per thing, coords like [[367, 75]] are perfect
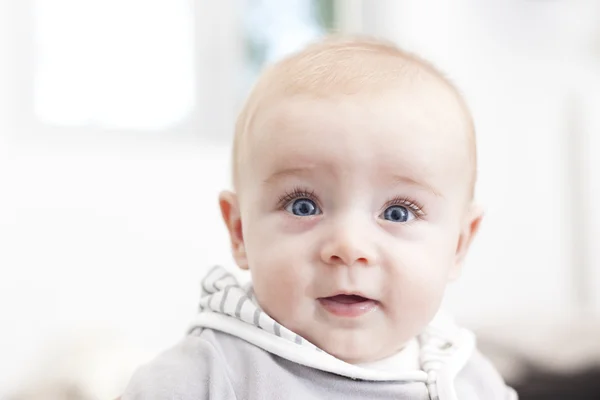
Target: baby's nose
[[348, 247]]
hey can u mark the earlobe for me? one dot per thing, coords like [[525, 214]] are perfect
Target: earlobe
[[230, 211], [469, 230]]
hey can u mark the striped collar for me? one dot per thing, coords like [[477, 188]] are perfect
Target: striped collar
[[223, 294]]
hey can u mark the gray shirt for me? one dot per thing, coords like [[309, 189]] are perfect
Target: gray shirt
[[208, 364]]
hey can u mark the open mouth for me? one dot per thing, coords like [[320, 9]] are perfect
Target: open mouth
[[348, 305]]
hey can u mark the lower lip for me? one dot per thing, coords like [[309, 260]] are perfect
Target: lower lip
[[350, 310]]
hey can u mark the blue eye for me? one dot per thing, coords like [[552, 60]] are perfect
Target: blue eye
[[302, 207], [398, 214]]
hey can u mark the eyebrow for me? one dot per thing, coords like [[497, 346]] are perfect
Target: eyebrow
[[396, 179], [413, 182], [286, 172]]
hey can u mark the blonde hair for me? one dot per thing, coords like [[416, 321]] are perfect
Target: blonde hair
[[340, 65]]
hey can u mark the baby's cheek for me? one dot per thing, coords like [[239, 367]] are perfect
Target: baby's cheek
[[412, 310], [279, 282], [417, 287]]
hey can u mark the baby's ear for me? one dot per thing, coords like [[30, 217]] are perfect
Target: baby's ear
[[468, 230], [230, 210]]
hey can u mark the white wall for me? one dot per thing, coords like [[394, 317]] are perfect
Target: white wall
[[109, 236], [102, 238]]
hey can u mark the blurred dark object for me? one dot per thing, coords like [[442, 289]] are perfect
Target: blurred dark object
[[542, 385], [547, 360]]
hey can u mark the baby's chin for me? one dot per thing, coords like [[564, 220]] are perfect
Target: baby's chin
[[356, 348]]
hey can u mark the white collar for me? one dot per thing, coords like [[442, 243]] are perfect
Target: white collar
[[406, 359]]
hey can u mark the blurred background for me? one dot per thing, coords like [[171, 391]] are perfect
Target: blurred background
[[115, 125]]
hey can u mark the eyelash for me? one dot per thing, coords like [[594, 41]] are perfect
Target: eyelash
[[297, 193], [408, 203], [301, 193]]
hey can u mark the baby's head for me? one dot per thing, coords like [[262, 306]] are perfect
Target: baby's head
[[354, 167]]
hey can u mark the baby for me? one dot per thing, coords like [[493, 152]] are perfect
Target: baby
[[354, 171]]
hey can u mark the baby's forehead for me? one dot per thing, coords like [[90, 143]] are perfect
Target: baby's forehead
[[341, 70], [350, 139], [344, 68]]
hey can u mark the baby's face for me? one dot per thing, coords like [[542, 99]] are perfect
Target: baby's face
[[353, 215]]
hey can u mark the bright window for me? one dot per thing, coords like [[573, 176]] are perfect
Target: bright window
[[113, 63], [275, 28]]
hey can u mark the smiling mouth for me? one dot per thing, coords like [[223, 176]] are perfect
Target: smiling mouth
[[348, 305]]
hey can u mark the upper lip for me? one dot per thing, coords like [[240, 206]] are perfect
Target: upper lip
[[348, 293]]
